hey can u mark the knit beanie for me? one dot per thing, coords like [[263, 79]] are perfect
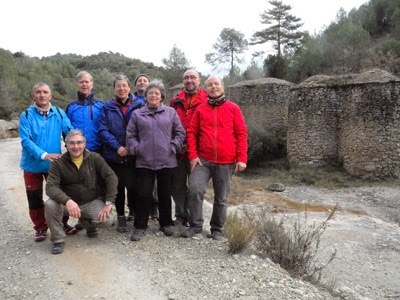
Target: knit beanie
[[140, 75]]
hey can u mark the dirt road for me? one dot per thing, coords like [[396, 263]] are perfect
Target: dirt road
[[158, 267]]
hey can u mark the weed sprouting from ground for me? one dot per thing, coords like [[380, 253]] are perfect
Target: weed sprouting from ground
[[295, 245], [239, 231]]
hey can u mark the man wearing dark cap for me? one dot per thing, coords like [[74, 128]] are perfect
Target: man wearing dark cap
[[141, 81]]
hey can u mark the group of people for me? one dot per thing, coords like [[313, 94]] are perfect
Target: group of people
[[131, 147]]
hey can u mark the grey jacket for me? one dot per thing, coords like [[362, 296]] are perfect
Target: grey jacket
[[155, 138]]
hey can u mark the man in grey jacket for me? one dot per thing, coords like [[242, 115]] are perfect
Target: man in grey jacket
[[82, 185]]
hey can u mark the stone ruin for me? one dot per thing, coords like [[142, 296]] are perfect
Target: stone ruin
[[352, 120], [264, 103]]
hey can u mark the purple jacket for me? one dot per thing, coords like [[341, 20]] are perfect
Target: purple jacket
[[155, 138]]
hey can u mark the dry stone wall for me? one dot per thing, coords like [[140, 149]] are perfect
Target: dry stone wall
[[352, 120], [264, 103]]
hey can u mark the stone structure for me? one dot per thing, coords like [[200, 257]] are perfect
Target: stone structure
[[352, 120], [264, 103]]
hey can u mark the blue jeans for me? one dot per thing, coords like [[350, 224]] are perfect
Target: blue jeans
[[221, 175]]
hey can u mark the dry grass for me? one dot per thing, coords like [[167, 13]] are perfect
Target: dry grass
[[239, 231]]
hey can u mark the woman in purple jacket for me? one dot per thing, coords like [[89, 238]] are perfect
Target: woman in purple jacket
[[154, 134]]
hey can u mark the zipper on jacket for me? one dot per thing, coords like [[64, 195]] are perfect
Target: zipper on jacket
[[215, 134]]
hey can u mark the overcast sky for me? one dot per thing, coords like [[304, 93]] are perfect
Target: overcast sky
[[146, 30]]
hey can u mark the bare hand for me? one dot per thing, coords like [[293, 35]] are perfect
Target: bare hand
[[105, 213], [194, 162], [51, 157], [240, 166], [73, 209], [122, 151]]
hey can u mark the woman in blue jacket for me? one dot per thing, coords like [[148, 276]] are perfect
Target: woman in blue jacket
[[114, 119]]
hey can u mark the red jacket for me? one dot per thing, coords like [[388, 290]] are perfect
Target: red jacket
[[185, 105], [218, 134]]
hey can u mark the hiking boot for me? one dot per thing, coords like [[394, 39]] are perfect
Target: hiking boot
[[138, 234], [122, 225], [58, 248], [167, 230], [217, 235], [181, 222], [79, 226], [154, 215], [91, 233], [40, 235], [130, 217], [191, 232], [69, 230]]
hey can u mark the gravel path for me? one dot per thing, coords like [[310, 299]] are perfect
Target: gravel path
[[159, 267]]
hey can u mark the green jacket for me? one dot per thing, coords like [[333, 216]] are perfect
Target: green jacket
[[94, 180]]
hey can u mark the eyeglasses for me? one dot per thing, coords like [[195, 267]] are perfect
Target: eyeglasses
[[192, 77], [77, 143]]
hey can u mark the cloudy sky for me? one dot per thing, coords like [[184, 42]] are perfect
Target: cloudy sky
[[146, 30]]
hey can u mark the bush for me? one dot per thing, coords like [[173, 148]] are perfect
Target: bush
[[239, 231], [295, 246], [263, 146]]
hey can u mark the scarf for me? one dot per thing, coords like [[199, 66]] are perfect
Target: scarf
[[216, 101]]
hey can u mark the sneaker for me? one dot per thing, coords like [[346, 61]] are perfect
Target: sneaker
[[91, 233], [69, 230], [122, 225], [40, 235], [58, 248], [217, 235], [167, 230], [191, 232], [138, 234]]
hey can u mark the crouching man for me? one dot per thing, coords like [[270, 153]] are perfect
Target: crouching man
[[80, 184]]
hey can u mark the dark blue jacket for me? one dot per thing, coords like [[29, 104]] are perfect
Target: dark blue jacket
[[84, 115], [112, 129]]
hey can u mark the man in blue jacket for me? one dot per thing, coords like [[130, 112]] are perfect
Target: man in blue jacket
[[84, 111], [41, 127]]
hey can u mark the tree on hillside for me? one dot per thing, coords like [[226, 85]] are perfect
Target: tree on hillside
[[176, 64], [282, 32], [228, 49]]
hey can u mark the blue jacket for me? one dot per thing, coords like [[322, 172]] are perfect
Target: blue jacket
[[112, 129], [155, 138], [41, 134], [84, 115]]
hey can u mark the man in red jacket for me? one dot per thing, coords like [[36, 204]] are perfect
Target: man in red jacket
[[185, 103], [217, 147]]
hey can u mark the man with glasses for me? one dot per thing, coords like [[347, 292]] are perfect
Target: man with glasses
[[40, 128], [82, 185], [185, 103]]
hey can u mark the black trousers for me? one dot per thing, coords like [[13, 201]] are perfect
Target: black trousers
[[126, 181], [145, 182]]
